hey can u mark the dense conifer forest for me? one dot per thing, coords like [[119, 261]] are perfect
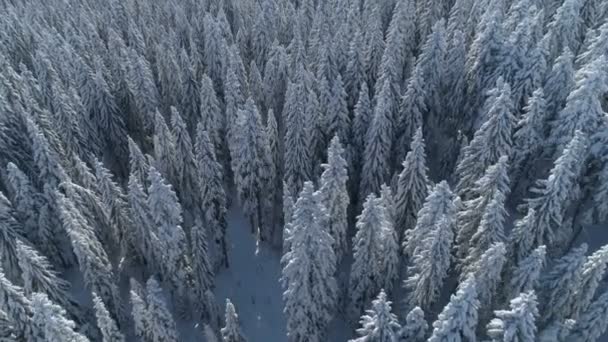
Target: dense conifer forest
[[403, 170]]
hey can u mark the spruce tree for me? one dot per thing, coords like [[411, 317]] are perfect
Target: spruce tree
[[379, 324], [138, 163], [166, 214], [308, 274], [338, 120], [526, 275], [560, 283], [139, 312], [109, 330], [414, 328], [165, 151], [184, 162], [458, 319], [559, 83], [593, 271], [556, 193], [491, 141], [518, 323], [592, 322], [429, 266], [376, 156], [231, 332], [26, 201], [17, 307], [162, 326], [437, 204], [487, 272], [202, 270], [251, 168], [334, 194], [213, 196], [146, 239], [412, 186], [412, 109], [48, 319]]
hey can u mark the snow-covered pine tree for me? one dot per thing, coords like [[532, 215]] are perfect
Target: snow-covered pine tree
[[365, 275], [39, 276], [412, 186], [376, 156], [297, 153], [438, 203], [138, 163], [563, 29], [146, 239], [495, 180], [490, 230], [251, 168], [213, 197], [189, 104], [525, 276], [458, 319], [355, 76], [560, 284], [26, 202], [276, 78], [17, 308], [275, 187], [559, 83], [165, 151], [308, 274], [231, 332], [92, 259], [491, 141], [414, 328], [162, 326], [429, 265], [518, 323], [185, 167], [139, 311], [202, 270], [487, 272], [389, 264], [592, 323], [109, 330], [212, 119], [10, 233], [363, 116], [583, 110], [166, 214], [338, 120], [334, 195], [48, 320], [593, 272], [556, 193], [412, 109], [379, 324], [529, 135]]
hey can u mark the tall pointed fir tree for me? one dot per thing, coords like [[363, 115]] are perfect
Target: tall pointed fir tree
[[162, 326], [458, 319], [363, 116], [338, 120], [555, 194], [491, 141], [26, 202], [529, 135], [523, 238], [92, 258], [390, 241], [109, 330], [592, 323], [429, 265], [518, 323], [526, 275], [562, 30], [146, 239], [213, 197], [593, 272], [38, 276], [334, 195], [251, 169], [355, 77], [308, 274], [166, 214], [412, 109], [438, 203], [559, 286], [48, 320], [376, 156], [139, 311], [17, 308], [583, 110], [202, 271], [379, 324], [212, 118], [10, 234], [414, 328], [412, 186], [231, 332], [275, 142], [138, 163], [185, 167], [297, 152], [494, 180], [559, 83], [367, 276], [165, 151]]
